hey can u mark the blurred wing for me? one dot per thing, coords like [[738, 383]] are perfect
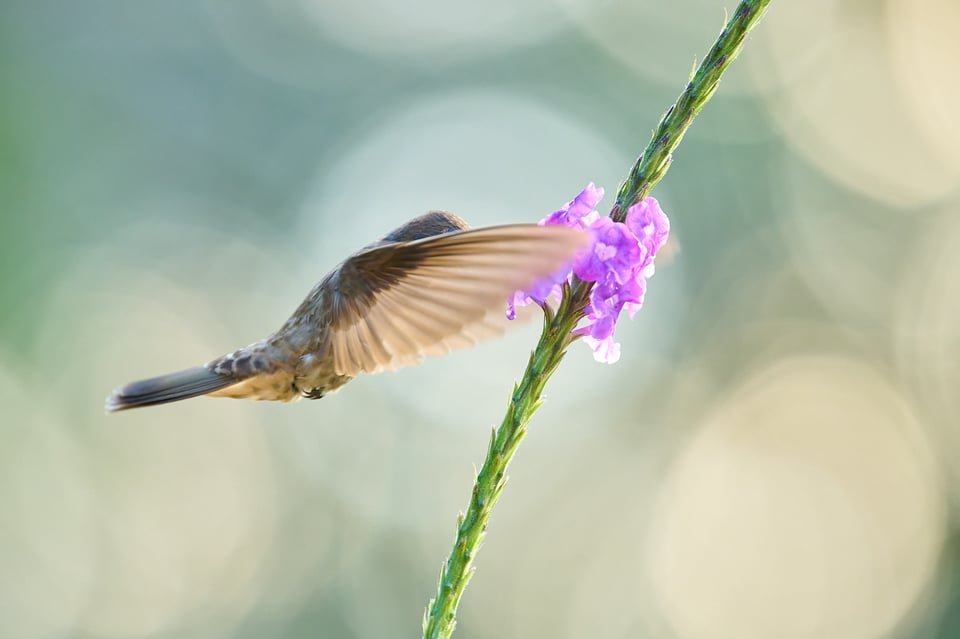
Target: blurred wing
[[394, 304]]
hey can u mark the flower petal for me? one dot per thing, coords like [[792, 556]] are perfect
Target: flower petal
[[619, 261]]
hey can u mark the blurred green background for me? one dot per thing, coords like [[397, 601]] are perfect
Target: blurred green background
[[775, 455]]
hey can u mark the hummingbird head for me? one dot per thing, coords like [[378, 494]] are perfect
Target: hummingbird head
[[427, 225]]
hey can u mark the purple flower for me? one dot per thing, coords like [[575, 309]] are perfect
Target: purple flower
[[580, 211], [650, 225], [614, 249], [619, 261]]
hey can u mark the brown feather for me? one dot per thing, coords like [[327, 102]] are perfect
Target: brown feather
[[396, 303], [172, 387], [428, 287]]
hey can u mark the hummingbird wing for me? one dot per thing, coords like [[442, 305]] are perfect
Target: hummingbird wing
[[395, 303]]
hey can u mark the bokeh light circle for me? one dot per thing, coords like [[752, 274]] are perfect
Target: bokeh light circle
[[845, 112], [808, 505]]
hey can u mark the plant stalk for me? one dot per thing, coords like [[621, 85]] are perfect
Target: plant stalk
[[439, 619]]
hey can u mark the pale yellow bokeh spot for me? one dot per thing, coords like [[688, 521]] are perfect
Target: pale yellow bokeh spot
[[805, 507], [843, 108], [48, 524], [924, 51], [927, 300]]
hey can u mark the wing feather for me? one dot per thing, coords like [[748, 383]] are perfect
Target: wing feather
[[398, 302]]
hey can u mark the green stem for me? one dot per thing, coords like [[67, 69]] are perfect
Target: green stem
[[652, 165], [439, 618]]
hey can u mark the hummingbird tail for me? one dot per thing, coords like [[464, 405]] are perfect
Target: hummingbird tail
[[173, 387]]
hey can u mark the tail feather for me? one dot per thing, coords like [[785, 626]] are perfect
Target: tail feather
[[192, 382]]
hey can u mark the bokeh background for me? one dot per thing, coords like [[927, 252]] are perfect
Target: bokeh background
[[775, 455]]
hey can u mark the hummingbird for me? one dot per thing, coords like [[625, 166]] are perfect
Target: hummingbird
[[428, 287]]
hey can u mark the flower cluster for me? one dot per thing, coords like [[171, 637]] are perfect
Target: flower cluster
[[619, 260]]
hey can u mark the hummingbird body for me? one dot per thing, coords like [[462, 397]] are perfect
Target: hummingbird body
[[430, 286]]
